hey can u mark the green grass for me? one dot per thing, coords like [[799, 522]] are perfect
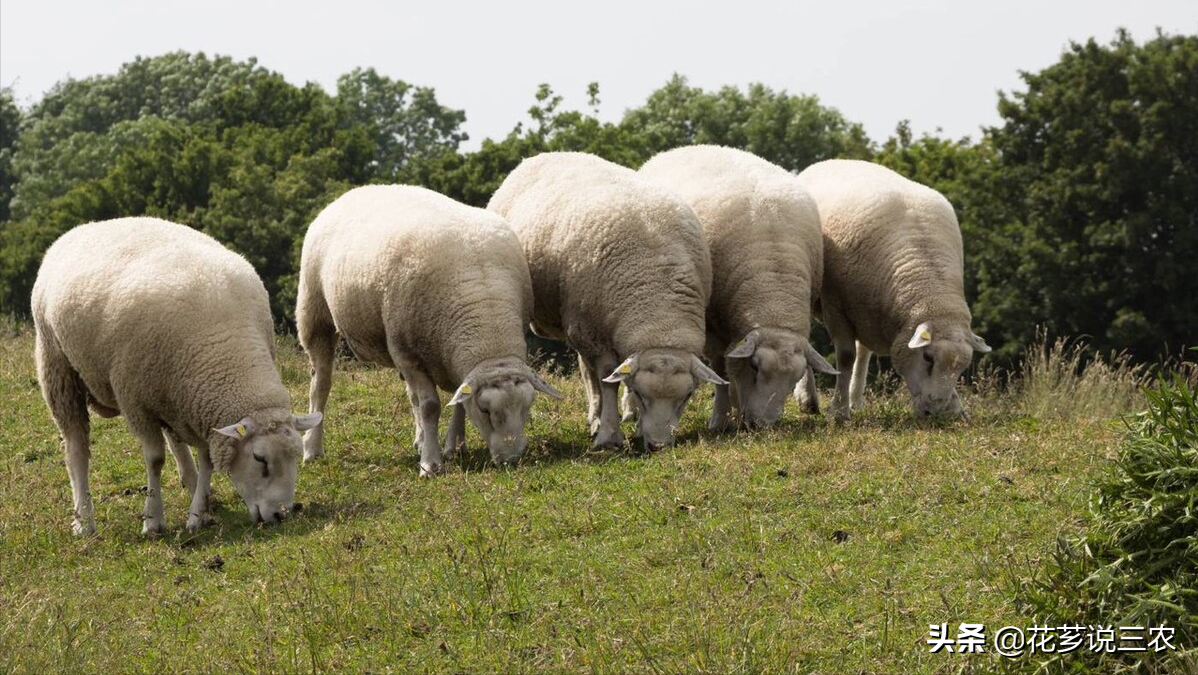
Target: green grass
[[724, 554]]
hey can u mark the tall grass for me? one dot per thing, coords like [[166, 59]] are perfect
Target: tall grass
[[1136, 564], [1064, 380]]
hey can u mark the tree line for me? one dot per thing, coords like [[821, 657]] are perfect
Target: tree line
[[1079, 210]]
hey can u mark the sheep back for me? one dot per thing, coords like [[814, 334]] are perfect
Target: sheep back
[[616, 262], [892, 250], [407, 269], [763, 232], [162, 321]]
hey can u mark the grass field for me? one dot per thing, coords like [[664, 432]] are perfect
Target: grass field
[[812, 548]]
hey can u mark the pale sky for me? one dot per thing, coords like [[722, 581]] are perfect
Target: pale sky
[[937, 63]]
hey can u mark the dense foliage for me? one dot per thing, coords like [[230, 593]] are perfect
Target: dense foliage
[[1079, 212], [1137, 562]]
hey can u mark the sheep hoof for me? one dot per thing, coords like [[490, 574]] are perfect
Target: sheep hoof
[[430, 470], [83, 529], [610, 439], [152, 528], [195, 523], [719, 425]]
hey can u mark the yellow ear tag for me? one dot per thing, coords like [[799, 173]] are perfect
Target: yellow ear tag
[[465, 389], [925, 335], [240, 429], [624, 369]]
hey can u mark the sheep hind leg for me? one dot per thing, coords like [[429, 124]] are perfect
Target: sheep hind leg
[[66, 396], [320, 342], [183, 460]]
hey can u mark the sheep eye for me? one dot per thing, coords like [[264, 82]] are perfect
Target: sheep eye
[[265, 466]]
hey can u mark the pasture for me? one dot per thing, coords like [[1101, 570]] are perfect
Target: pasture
[[809, 548]]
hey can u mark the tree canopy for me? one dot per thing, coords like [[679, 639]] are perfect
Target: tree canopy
[[1079, 210]]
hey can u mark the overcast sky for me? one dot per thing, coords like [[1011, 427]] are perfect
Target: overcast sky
[[937, 63]]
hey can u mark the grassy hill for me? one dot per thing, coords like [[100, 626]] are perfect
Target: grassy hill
[[812, 547]]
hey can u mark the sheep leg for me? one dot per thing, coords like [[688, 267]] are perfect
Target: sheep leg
[[608, 434], [455, 435], [590, 380], [426, 407], [198, 514], [153, 449], [807, 392], [66, 396], [627, 409], [183, 460], [721, 406], [320, 342], [860, 373], [846, 353]]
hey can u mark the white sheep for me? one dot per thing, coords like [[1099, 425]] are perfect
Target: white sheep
[[767, 260], [893, 284], [439, 290], [160, 323], [622, 274]]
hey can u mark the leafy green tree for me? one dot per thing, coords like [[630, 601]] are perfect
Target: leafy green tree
[[790, 130], [406, 122], [226, 147], [1101, 153], [10, 123]]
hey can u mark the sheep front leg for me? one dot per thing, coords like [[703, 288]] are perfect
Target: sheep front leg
[[153, 449], [607, 433], [590, 380], [839, 409], [198, 515], [807, 392], [721, 406], [426, 408], [860, 373], [455, 435]]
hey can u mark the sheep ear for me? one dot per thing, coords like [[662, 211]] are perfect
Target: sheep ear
[[816, 361], [543, 386], [239, 430], [978, 344], [922, 336], [306, 422], [701, 371], [745, 348], [464, 392], [622, 371]]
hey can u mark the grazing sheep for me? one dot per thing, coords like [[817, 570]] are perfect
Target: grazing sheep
[[621, 273], [767, 261], [160, 323], [893, 268], [416, 281]]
